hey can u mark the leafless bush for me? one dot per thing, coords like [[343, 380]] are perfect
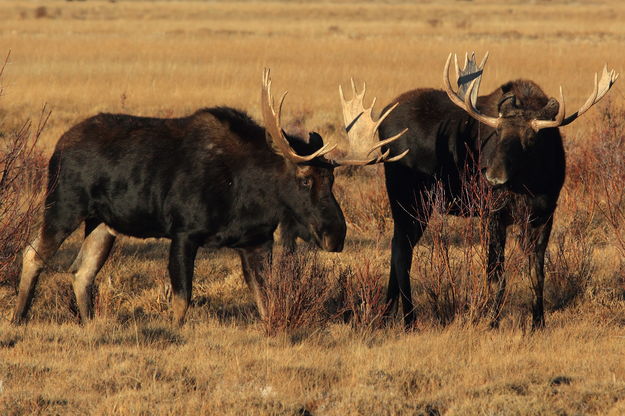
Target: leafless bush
[[591, 208], [452, 267], [609, 179], [296, 293], [363, 296], [569, 263], [21, 182]]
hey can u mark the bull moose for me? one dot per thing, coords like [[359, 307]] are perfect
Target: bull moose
[[510, 138], [214, 179]]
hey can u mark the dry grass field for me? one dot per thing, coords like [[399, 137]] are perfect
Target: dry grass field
[[168, 58]]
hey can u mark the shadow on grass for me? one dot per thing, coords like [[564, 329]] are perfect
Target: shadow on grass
[[239, 314], [151, 335]]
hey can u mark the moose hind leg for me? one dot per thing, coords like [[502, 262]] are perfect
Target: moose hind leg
[[94, 251], [90, 225], [256, 262], [32, 265], [403, 243], [408, 229], [34, 258]]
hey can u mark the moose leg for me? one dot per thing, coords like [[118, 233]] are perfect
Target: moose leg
[[94, 251], [539, 237], [90, 225], [256, 262], [34, 258], [404, 241], [182, 254], [495, 267], [73, 268], [411, 218]]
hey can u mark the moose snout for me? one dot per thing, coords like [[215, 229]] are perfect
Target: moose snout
[[496, 180], [332, 243]]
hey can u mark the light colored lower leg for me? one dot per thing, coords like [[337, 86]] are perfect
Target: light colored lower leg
[[76, 263], [32, 264], [180, 306], [252, 283], [260, 300], [95, 250]]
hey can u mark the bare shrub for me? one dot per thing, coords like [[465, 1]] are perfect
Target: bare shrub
[[296, 293], [608, 163], [593, 205], [21, 181], [363, 297], [591, 210], [569, 263], [452, 267]]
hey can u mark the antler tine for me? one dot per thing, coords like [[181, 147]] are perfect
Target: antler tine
[[377, 125], [470, 106], [593, 96], [373, 105], [361, 130], [466, 102], [454, 97], [396, 158], [273, 126], [600, 89], [456, 64], [387, 141]]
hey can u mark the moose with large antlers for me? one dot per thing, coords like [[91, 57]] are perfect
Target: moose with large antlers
[[215, 179], [509, 139]]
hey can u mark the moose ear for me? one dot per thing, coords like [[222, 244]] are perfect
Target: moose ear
[[507, 87], [315, 140], [550, 110], [507, 103]]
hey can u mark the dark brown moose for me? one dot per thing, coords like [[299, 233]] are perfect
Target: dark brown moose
[[214, 179], [510, 139]]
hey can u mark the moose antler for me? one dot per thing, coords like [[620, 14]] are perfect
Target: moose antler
[[468, 78], [273, 127], [362, 131], [471, 74], [608, 78]]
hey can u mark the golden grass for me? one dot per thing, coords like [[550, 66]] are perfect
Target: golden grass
[[170, 58]]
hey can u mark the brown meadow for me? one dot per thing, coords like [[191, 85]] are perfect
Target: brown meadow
[[168, 59]]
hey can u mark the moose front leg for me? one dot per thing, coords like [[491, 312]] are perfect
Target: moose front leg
[[256, 262], [536, 246], [182, 254], [495, 268]]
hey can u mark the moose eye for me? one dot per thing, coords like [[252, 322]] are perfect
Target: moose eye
[[307, 182]]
